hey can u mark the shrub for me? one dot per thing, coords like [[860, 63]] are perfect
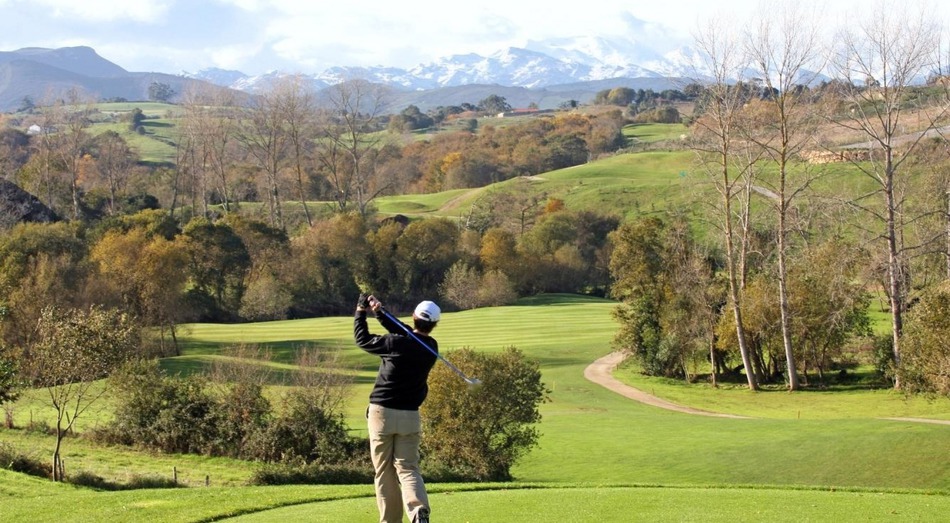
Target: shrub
[[478, 433], [158, 412], [13, 459], [304, 431], [496, 290], [88, 479], [925, 355], [298, 472]]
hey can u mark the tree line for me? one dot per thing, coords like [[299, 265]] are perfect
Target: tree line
[[287, 145], [764, 129]]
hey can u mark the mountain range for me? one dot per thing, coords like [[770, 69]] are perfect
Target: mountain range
[[540, 65], [545, 73]]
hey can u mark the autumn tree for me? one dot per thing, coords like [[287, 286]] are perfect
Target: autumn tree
[[160, 91], [925, 366], [661, 280], [296, 101], [266, 296], [74, 349], [425, 251], [148, 271], [327, 260], [40, 265], [14, 151], [72, 141], [830, 304]]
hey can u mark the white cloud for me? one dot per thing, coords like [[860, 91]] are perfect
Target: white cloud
[[146, 11]]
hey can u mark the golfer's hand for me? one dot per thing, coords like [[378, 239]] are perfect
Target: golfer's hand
[[374, 304], [363, 303]]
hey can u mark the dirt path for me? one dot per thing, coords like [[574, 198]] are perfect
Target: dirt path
[[600, 372]]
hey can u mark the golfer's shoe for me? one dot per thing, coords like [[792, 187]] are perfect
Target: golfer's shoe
[[422, 516]]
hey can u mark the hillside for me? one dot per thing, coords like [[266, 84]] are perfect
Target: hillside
[[48, 74]]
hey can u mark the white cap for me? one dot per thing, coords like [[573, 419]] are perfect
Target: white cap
[[428, 311]]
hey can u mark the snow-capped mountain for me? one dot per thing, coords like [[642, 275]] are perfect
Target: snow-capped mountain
[[544, 63]]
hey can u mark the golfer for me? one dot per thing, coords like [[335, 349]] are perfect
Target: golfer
[[393, 414]]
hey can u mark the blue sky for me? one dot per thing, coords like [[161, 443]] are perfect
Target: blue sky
[[256, 36]]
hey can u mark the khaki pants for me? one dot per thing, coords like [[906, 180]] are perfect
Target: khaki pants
[[394, 437]]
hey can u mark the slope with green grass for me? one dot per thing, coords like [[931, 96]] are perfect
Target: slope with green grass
[[595, 444]]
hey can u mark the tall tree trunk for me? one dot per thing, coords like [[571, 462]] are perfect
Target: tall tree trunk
[[793, 383], [894, 267], [734, 293]]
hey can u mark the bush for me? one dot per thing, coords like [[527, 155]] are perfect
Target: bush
[[496, 290], [162, 413], [297, 472], [883, 350], [232, 417], [88, 479], [478, 433], [304, 431], [925, 354], [12, 459]]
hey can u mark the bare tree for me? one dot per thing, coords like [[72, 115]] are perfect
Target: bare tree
[[729, 164], [114, 162], [74, 349], [265, 138], [880, 58], [781, 53], [206, 147], [73, 140], [296, 100], [350, 143]]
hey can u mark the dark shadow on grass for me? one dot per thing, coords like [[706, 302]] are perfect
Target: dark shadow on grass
[[560, 299]]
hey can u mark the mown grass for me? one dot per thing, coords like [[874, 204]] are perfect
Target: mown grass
[[629, 184], [595, 445], [654, 132]]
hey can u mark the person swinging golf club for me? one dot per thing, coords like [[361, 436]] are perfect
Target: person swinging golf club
[[395, 427]]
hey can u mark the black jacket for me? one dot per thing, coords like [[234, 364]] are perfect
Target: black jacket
[[404, 369]]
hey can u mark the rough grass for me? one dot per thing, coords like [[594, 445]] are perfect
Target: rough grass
[[595, 445]]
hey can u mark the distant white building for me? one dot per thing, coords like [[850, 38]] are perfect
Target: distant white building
[[34, 130]]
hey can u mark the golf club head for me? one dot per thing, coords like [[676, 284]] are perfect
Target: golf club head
[[474, 382]]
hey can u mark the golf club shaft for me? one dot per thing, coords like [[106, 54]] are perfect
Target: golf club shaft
[[424, 344]]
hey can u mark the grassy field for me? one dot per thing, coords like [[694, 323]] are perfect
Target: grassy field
[[631, 184], [620, 460]]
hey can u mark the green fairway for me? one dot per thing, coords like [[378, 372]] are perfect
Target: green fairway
[[618, 459], [632, 184], [654, 132]]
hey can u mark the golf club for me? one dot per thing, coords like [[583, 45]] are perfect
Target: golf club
[[470, 381]]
